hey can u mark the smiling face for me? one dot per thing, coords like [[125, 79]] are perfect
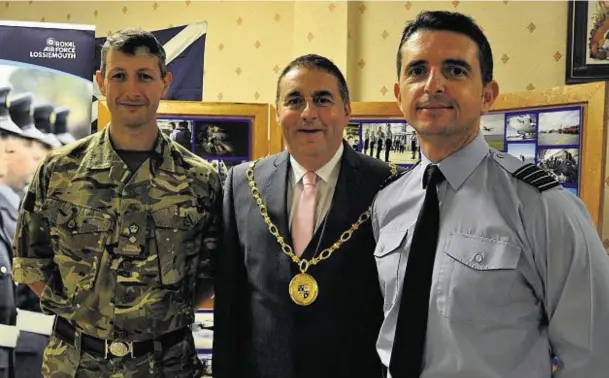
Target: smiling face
[[440, 90], [312, 114], [133, 87], [22, 159]]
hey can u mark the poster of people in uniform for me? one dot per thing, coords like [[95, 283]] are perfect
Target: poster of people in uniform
[[351, 135], [549, 138], [45, 103], [179, 130], [390, 141], [49, 65]]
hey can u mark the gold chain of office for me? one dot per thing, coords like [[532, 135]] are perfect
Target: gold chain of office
[[303, 287]]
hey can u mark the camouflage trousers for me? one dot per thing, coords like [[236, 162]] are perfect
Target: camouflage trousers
[[63, 360]]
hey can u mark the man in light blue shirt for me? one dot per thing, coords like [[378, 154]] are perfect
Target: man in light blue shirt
[[519, 275]]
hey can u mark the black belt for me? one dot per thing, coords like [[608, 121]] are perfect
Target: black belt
[[101, 348]]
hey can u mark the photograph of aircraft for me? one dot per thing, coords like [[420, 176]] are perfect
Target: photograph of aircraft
[[521, 127], [559, 128], [493, 129]]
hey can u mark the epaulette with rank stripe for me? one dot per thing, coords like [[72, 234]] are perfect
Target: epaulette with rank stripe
[[392, 178], [536, 177]]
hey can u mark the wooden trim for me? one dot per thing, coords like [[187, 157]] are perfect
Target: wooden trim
[[276, 143], [378, 110], [592, 97]]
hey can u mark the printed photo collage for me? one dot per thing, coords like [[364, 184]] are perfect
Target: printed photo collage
[[223, 142], [390, 141], [549, 138]]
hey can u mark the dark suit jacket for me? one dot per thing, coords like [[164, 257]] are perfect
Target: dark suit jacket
[[258, 331]]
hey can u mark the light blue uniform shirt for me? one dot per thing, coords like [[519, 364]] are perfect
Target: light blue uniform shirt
[[520, 274]]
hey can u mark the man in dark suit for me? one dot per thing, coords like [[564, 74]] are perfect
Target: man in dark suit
[[289, 304]]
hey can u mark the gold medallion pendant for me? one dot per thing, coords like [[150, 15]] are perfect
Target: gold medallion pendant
[[303, 289]]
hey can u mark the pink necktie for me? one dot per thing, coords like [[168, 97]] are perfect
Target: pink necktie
[[304, 218]]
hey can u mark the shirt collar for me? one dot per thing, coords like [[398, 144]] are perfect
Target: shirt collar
[[328, 173], [460, 165], [101, 154]]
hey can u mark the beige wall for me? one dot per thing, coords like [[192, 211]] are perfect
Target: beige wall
[[248, 42]]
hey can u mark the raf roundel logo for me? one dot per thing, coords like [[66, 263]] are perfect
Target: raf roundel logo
[[50, 41]]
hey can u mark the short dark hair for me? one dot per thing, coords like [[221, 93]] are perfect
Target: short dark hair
[[321, 63], [131, 41], [454, 22]]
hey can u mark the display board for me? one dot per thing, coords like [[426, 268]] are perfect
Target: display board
[[562, 130], [225, 134]]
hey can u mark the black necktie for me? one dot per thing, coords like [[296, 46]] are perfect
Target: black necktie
[[409, 341]]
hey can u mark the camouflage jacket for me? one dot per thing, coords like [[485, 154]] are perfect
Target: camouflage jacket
[[121, 254]]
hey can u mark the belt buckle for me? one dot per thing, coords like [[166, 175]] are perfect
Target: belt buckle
[[118, 348]]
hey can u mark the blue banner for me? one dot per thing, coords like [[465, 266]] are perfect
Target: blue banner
[[48, 64]]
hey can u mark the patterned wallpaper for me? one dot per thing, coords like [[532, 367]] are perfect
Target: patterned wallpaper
[[528, 40], [248, 43]]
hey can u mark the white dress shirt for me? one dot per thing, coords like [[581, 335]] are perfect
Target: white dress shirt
[[327, 176]]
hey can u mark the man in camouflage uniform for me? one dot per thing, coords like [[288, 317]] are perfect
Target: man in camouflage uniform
[[117, 231]]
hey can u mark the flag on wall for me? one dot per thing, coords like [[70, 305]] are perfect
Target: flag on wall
[[185, 49]]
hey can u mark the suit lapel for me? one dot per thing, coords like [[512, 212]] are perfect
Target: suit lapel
[[275, 195], [343, 212]]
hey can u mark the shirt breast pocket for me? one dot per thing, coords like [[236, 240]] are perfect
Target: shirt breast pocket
[[389, 257], [178, 242], [78, 235], [476, 279]]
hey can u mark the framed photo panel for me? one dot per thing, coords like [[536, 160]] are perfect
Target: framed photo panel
[[562, 130], [225, 134], [548, 137], [383, 133]]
